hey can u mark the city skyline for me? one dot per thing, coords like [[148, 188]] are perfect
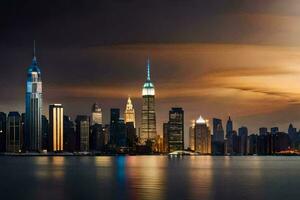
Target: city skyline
[[160, 132], [98, 65]]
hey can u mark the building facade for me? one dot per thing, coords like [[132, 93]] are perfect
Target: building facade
[[69, 135], [129, 114], [165, 137], [148, 126], [2, 132], [192, 136], [202, 136], [82, 133], [96, 117], [243, 134], [33, 122], [56, 127], [176, 129], [218, 137], [14, 133]]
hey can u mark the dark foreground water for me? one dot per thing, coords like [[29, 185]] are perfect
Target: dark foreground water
[[149, 177]]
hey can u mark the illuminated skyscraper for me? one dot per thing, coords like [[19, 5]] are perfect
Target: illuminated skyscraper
[[14, 132], [129, 114], [148, 128], [202, 136], [56, 133], [33, 122], [96, 115]]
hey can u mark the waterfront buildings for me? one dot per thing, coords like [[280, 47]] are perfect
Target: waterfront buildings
[[148, 126], [69, 135], [114, 121], [56, 128], [202, 136], [218, 137], [14, 138], [33, 122], [82, 133], [192, 136], [176, 130], [2, 132], [243, 134], [45, 132], [229, 132], [165, 137]]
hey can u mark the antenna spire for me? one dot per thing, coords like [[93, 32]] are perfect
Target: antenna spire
[[34, 57], [148, 69]]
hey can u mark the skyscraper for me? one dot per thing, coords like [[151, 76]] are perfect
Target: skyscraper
[[14, 133], [165, 137], [129, 114], [192, 136], [45, 132], [218, 137], [148, 127], [96, 114], [218, 132], [243, 134], [56, 124], [113, 129], [33, 122], [263, 131], [176, 129], [2, 132], [69, 135], [229, 128], [202, 136], [82, 133], [229, 132]]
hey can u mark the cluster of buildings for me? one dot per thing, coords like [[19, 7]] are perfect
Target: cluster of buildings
[[232, 142], [33, 132]]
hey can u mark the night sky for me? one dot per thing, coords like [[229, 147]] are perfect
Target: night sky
[[212, 57]]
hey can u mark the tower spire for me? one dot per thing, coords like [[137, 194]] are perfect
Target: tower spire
[[148, 69], [34, 57]]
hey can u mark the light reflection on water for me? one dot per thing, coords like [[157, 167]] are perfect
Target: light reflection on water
[[150, 177]]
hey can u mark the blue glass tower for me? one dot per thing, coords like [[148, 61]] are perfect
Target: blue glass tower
[[33, 121]]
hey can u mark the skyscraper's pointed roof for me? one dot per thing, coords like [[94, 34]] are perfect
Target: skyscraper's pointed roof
[[148, 69], [129, 105], [148, 88], [34, 65], [34, 57], [200, 120]]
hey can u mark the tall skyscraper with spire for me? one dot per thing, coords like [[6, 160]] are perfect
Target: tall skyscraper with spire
[[129, 114], [33, 121], [148, 127]]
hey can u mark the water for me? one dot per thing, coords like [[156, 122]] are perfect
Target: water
[[149, 177]]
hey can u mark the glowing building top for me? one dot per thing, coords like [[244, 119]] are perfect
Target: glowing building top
[[148, 88], [200, 120], [129, 114]]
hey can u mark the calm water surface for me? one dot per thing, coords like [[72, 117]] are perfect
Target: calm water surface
[[149, 177]]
